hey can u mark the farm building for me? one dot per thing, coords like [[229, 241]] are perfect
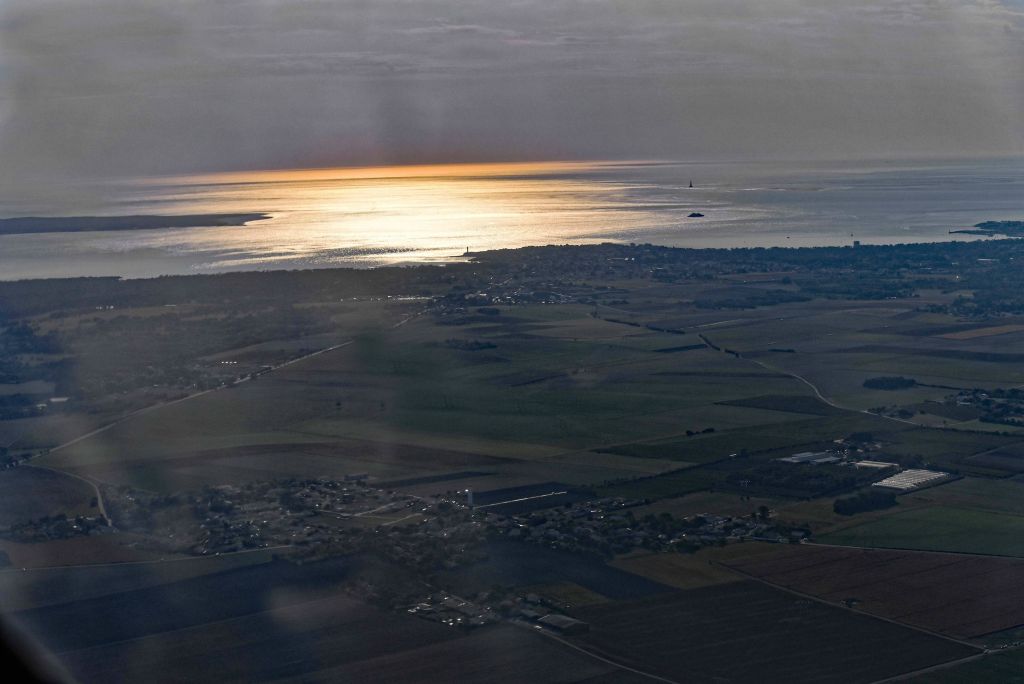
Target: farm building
[[911, 479], [810, 457], [880, 465], [564, 624]]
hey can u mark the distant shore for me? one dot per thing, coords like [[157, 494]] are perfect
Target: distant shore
[[993, 228], [82, 224]]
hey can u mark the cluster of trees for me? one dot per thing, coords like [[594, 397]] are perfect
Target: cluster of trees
[[16, 339], [800, 480], [1003, 406], [58, 526], [868, 500], [890, 383], [751, 298], [985, 268], [14, 406], [469, 345]]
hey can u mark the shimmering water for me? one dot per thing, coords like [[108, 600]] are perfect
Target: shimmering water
[[370, 217]]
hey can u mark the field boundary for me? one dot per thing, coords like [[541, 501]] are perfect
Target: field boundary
[[811, 597], [593, 655]]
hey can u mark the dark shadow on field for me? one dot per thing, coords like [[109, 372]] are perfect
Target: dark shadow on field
[[278, 621], [744, 632], [182, 604], [267, 621], [517, 564]]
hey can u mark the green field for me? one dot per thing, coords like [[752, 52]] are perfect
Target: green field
[[541, 383], [998, 668], [939, 528], [1003, 496]]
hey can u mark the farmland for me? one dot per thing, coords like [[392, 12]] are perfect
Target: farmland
[[1000, 668], [958, 595], [34, 493], [529, 393], [745, 632], [939, 528], [669, 391], [278, 622], [515, 564]]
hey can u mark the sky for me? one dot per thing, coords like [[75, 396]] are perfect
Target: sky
[[130, 87]]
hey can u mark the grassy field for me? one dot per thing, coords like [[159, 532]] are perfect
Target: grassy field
[[525, 399], [531, 394], [939, 528], [568, 594], [997, 668], [28, 493], [689, 571], [1004, 496]]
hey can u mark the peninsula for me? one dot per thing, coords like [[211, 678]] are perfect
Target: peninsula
[[81, 224]]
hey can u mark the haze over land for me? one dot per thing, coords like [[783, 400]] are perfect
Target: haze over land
[[431, 214], [721, 378]]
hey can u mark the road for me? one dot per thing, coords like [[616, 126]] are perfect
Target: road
[[811, 385], [591, 654], [164, 404], [99, 497]]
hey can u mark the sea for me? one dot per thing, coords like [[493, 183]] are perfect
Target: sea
[[370, 217]]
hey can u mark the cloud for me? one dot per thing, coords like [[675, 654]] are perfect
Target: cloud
[[140, 86]]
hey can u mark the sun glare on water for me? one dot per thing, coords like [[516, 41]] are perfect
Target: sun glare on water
[[388, 214]]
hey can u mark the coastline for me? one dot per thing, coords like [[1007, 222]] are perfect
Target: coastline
[[32, 225]]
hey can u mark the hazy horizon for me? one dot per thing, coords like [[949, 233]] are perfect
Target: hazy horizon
[[373, 216], [118, 88]]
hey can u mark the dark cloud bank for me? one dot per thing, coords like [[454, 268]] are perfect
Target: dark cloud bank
[[115, 87]]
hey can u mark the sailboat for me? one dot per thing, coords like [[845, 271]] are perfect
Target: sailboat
[[691, 184]]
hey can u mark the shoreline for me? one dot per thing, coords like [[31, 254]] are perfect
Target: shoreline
[[473, 257], [34, 225]]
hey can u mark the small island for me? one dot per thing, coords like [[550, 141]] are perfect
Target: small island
[[991, 228], [82, 224]]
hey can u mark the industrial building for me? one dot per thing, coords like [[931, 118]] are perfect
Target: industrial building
[[911, 479]]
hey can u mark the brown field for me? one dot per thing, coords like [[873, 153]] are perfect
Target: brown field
[[954, 594], [250, 462], [719, 503], [743, 632], [983, 332], [38, 587], [683, 571], [503, 655]]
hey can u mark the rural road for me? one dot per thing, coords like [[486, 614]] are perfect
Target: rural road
[[99, 497], [811, 385], [590, 654]]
